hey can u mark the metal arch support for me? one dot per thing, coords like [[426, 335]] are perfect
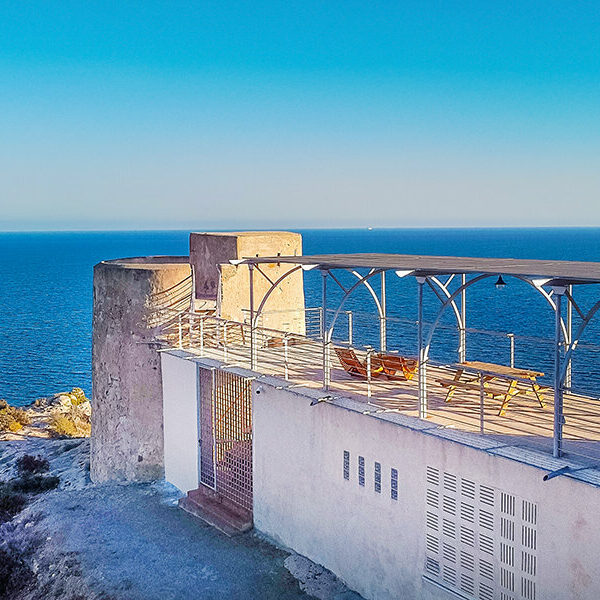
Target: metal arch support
[[459, 314], [371, 291], [459, 318], [551, 302], [270, 291], [361, 281], [381, 306], [548, 297], [573, 345], [443, 309], [469, 283]]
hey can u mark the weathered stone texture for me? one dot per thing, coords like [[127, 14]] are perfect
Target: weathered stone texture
[[127, 423], [210, 254]]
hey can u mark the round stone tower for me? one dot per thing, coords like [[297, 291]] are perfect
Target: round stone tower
[[127, 421]]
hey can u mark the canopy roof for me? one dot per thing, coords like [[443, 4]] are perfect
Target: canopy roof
[[556, 272]]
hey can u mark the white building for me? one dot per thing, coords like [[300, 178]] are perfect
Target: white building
[[406, 476]]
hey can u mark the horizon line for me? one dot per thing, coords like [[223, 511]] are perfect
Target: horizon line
[[308, 228]]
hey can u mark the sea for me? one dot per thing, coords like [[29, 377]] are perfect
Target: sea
[[46, 298]]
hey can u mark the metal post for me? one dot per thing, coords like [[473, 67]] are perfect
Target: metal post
[[286, 357], [558, 393], [350, 327], [481, 405], [383, 317], [462, 334], [180, 331], [422, 366], [193, 294], [369, 375], [321, 321], [326, 366], [191, 329], [202, 336], [225, 341], [511, 337], [252, 328], [569, 337]]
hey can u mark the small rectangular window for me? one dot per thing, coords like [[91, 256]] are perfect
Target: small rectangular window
[[378, 477], [361, 470], [346, 464], [394, 484]]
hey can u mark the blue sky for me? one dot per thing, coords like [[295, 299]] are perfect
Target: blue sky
[[294, 114]]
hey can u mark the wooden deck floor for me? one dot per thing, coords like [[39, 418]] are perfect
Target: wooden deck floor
[[525, 423]]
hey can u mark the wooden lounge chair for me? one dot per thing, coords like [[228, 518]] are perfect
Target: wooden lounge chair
[[395, 366], [354, 366]]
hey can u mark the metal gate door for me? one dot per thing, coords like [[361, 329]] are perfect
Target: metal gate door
[[226, 438], [206, 418]]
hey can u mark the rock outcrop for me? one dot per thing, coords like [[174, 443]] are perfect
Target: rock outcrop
[[66, 414]]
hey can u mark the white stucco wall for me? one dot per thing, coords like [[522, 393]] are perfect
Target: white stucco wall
[[376, 544], [180, 421]]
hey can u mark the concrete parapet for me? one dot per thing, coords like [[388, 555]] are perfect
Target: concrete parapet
[[127, 420]]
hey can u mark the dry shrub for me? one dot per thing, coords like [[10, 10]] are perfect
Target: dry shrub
[[19, 415], [78, 396], [32, 465], [12, 418], [11, 502], [62, 425], [5, 421], [73, 417], [14, 426], [73, 423], [34, 484], [15, 574]]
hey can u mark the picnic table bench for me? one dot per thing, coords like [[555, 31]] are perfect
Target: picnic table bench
[[498, 381]]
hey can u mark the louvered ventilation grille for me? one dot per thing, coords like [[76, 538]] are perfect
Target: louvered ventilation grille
[[480, 541], [361, 470], [394, 484], [346, 465], [377, 482]]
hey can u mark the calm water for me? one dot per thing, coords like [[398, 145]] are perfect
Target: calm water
[[46, 296]]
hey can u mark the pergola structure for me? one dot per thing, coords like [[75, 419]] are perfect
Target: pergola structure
[[554, 280]]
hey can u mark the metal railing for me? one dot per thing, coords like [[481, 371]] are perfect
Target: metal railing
[[361, 329], [311, 318], [480, 402]]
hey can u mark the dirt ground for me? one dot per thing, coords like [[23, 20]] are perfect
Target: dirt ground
[[132, 542]]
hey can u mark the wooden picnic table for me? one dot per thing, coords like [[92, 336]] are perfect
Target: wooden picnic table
[[499, 381]]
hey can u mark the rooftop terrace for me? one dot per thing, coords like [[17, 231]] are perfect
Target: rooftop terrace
[[523, 407]]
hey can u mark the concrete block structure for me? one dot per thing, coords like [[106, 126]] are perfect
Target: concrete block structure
[[398, 507]]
